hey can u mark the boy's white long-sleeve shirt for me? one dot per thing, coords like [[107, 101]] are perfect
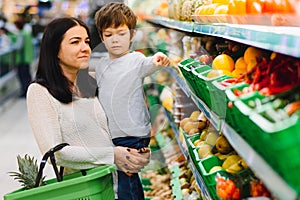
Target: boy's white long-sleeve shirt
[[82, 124], [121, 93]]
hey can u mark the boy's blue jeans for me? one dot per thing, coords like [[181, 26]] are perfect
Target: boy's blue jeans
[[130, 187]]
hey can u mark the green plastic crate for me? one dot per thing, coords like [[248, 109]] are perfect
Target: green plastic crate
[[190, 142], [218, 97], [232, 113], [185, 67], [220, 92], [205, 166], [97, 184], [282, 141], [242, 112], [204, 87]]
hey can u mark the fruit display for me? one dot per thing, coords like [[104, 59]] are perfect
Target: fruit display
[[193, 124], [265, 108]]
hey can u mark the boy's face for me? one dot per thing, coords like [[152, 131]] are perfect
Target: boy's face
[[117, 41]]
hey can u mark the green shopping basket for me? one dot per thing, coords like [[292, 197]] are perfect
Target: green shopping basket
[[91, 184]]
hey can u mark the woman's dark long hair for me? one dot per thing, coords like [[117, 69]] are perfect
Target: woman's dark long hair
[[49, 73]]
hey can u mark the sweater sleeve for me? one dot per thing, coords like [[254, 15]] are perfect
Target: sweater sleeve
[[44, 120], [146, 65]]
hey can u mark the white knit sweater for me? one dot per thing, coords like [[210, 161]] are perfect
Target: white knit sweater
[[82, 124]]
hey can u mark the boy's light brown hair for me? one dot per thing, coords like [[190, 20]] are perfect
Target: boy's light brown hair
[[113, 15]]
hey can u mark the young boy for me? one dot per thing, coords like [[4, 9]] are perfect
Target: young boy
[[120, 80]]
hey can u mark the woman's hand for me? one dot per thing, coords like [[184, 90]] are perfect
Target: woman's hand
[[131, 160]]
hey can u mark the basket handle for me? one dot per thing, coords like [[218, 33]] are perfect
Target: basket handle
[[50, 153]]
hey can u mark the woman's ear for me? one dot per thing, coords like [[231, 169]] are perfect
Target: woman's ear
[[133, 34]]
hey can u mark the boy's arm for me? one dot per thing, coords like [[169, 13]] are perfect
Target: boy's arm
[[160, 59]]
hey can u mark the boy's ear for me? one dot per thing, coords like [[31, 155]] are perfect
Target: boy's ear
[[133, 35]]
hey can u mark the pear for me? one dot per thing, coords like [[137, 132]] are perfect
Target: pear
[[203, 135], [211, 138], [201, 125], [215, 169], [196, 142], [184, 121], [231, 160], [234, 168], [190, 125], [222, 145], [193, 131], [204, 150], [195, 114]]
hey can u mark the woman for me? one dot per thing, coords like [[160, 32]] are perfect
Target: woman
[[63, 106]]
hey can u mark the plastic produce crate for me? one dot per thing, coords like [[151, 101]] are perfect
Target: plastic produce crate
[[190, 69], [205, 166], [185, 67], [220, 92], [242, 112], [204, 87], [97, 184], [190, 142], [278, 143], [232, 113], [218, 97]]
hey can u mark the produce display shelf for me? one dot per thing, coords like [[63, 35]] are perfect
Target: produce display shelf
[[271, 179], [282, 39], [198, 177], [171, 23]]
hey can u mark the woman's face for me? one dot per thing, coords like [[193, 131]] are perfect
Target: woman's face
[[74, 50]]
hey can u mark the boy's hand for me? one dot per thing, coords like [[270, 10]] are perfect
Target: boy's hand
[[161, 59]]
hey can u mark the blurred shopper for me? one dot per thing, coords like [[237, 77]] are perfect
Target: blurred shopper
[[120, 78], [24, 55], [63, 106], [5, 41]]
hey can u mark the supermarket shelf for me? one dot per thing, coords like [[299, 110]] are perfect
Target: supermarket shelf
[[198, 177], [285, 40], [174, 24], [271, 179]]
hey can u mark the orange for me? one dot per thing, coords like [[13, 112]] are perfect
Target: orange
[[240, 64], [237, 73], [251, 65], [223, 62], [254, 6], [226, 72], [237, 7], [252, 53]]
